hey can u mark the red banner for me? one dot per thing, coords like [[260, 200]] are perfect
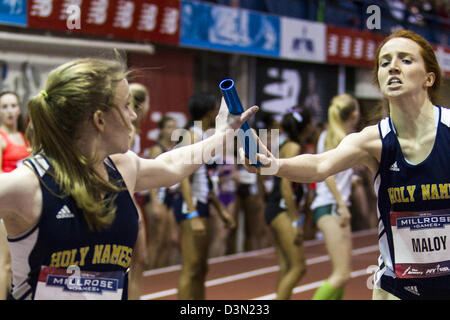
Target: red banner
[[148, 20], [443, 56], [168, 75], [351, 47]]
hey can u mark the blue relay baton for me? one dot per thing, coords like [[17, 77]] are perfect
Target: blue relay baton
[[235, 107]]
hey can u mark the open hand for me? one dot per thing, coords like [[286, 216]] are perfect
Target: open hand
[[228, 220], [198, 225], [344, 216], [226, 121]]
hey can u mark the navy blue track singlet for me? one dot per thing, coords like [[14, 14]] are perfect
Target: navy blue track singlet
[[414, 216], [62, 238]]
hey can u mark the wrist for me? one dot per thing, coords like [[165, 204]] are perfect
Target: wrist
[[341, 204]]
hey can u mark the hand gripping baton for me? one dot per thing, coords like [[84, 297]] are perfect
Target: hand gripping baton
[[235, 107]]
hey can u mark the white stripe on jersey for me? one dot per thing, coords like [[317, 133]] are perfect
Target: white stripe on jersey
[[385, 259], [445, 116], [40, 163], [20, 253], [385, 127]]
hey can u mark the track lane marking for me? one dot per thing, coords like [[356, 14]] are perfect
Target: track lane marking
[[254, 273], [312, 285], [249, 254]]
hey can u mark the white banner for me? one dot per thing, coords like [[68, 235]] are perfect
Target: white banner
[[303, 40], [26, 74]]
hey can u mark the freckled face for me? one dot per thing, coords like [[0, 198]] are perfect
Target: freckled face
[[118, 131], [401, 68]]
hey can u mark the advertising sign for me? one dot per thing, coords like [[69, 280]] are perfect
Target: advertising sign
[[151, 20], [351, 47], [281, 85], [229, 29], [303, 40], [13, 12]]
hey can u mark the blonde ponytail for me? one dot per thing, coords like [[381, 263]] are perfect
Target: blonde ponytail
[[75, 91], [342, 106]]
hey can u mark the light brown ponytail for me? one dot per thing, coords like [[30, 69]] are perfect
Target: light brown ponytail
[[74, 91]]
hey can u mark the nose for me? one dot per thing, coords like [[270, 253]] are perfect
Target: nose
[[133, 115], [393, 67]]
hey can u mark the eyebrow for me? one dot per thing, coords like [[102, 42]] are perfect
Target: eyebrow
[[399, 53]]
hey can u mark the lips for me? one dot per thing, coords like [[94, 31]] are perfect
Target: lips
[[394, 80]]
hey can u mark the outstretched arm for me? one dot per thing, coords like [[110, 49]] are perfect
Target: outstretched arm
[[173, 166], [363, 147]]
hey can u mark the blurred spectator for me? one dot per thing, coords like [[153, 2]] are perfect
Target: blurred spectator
[[397, 9], [139, 101], [13, 149], [163, 240], [312, 100], [415, 14], [282, 209], [442, 8], [343, 13]]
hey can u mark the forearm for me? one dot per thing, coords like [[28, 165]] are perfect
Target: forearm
[[364, 148], [173, 166], [303, 168], [185, 160]]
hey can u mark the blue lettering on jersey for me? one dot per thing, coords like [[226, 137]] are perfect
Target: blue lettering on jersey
[[415, 223], [83, 284]]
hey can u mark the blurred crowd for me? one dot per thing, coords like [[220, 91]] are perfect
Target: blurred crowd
[[429, 18], [243, 196]]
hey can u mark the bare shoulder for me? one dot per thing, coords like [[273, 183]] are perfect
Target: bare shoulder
[[19, 192], [128, 166], [364, 138], [372, 142]]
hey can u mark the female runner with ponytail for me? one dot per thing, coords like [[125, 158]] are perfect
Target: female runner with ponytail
[[330, 205]]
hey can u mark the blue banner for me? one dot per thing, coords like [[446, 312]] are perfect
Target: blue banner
[[13, 12], [229, 29]]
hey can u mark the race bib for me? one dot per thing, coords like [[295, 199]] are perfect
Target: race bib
[[74, 284], [421, 243]]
